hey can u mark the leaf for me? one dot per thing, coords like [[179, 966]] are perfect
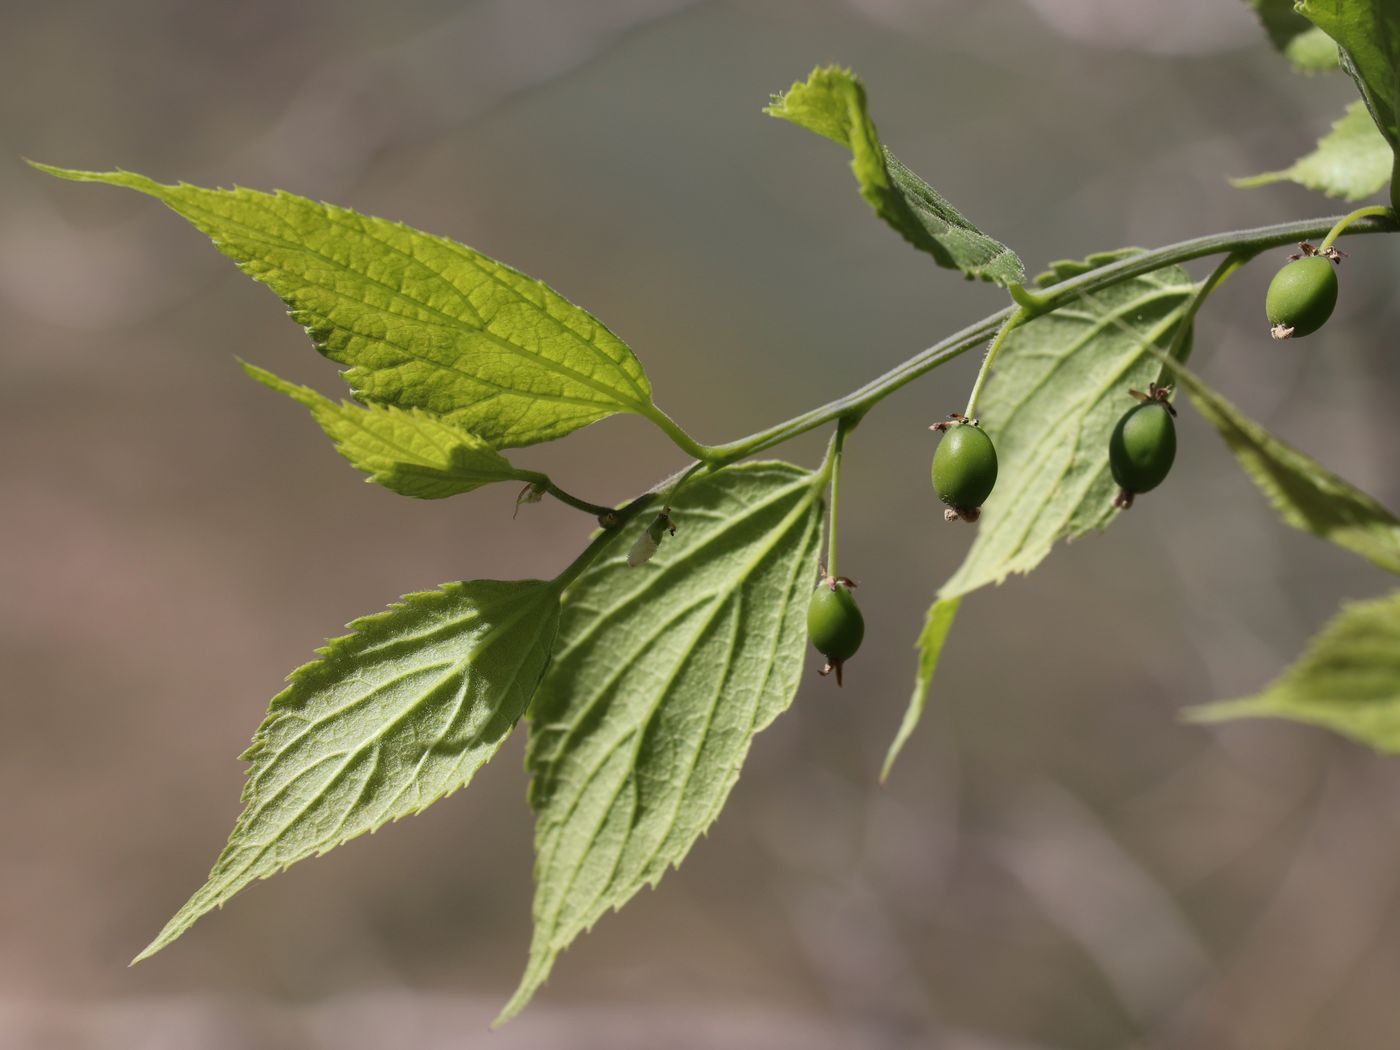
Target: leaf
[[1347, 680], [422, 321], [832, 103], [1059, 387], [662, 676], [1368, 33], [930, 646], [390, 719], [1308, 48], [1352, 161], [1306, 494], [407, 451]]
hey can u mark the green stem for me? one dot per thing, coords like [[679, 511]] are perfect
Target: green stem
[[1018, 318], [1346, 220], [613, 519], [1180, 349], [596, 509], [683, 441], [838, 444], [1242, 242], [583, 561], [1026, 299], [668, 492]]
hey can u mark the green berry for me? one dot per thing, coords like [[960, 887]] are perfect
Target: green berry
[[964, 469], [1141, 450], [1301, 297], [834, 623]]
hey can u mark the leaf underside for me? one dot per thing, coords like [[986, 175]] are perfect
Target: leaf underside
[[930, 645], [1347, 680], [831, 102], [1306, 494], [1368, 34], [1058, 389], [1308, 48], [388, 720], [408, 451], [1352, 161], [662, 676], [422, 321]]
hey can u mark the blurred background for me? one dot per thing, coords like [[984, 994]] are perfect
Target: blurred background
[[1057, 862]]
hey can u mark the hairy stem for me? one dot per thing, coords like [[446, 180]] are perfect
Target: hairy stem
[[1180, 348], [838, 444], [596, 509], [674, 431], [1019, 317], [1346, 220]]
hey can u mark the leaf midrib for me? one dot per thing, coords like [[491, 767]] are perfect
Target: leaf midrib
[[762, 550], [448, 322]]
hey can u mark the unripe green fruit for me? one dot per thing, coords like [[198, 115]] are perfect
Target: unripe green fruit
[[1142, 448], [834, 623], [1301, 297], [965, 468]]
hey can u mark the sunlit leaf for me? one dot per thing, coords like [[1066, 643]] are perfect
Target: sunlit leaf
[[1352, 161], [930, 646], [1368, 33], [422, 321], [1347, 680], [407, 451], [831, 102], [1306, 494], [663, 674], [1308, 48], [386, 721], [1059, 387]]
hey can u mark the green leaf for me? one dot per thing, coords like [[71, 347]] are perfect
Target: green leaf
[[1352, 161], [1368, 33], [1306, 494], [422, 321], [930, 646], [390, 719], [832, 103], [1308, 48], [662, 676], [1348, 680], [407, 451], [1059, 387]]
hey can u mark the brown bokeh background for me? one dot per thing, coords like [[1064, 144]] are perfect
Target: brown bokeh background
[[1058, 862]]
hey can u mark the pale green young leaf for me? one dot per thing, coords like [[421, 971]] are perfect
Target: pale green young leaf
[[662, 676], [831, 102], [1368, 33], [408, 451], [387, 721], [1347, 680], [421, 321], [1306, 494], [1059, 387], [1352, 161], [1308, 48], [930, 646]]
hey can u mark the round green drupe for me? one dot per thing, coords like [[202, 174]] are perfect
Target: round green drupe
[[1301, 297], [965, 467], [1142, 448], [834, 622]]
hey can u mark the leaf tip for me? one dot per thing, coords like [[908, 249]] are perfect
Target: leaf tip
[[529, 984], [1222, 711], [116, 177], [890, 756]]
